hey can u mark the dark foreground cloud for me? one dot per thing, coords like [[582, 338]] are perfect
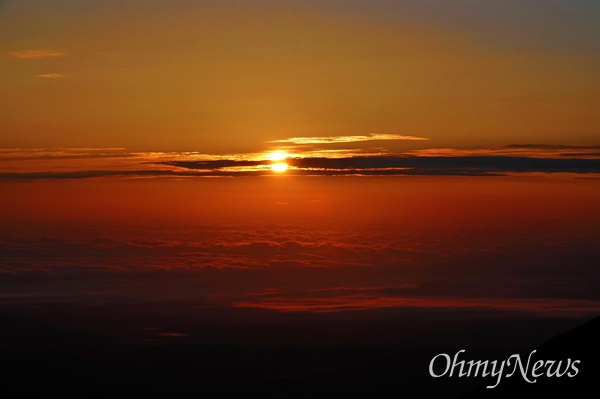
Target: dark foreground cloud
[[305, 268], [407, 165], [367, 166], [469, 165]]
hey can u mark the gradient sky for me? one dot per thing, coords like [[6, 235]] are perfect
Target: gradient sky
[[229, 77]]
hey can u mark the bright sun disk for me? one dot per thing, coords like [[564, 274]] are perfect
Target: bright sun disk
[[279, 167], [278, 156]]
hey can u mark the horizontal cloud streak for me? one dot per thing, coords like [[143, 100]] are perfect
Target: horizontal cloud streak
[[51, 76], [553, 146], [454, 165], [514, 150], [33, 54], [366, 302], [214, 164], [346, 139]]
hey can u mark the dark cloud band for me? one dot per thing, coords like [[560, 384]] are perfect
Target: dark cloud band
[[368, 166]]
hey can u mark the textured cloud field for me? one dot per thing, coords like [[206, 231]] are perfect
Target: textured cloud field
[[305, 267], [304, 156]]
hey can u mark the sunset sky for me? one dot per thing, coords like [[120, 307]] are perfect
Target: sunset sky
[[302, 156], [237, 77], [269, 196]]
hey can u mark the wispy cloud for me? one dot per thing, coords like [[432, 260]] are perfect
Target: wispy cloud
[[33, 54], [365, 302], [50, 76], [53, 154], [346, 139], [553, 146], [515, 150]]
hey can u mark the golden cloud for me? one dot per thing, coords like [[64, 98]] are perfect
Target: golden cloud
[[51, 75], [346, 139]]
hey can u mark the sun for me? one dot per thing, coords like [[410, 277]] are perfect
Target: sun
[[278, 156], [279, 167], [277, 159]]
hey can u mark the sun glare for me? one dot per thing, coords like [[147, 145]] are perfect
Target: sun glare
[[279, 167], [278, 156]]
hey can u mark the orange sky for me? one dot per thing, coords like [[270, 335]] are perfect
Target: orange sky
[[228, 77], [98, 95], [408, 202]]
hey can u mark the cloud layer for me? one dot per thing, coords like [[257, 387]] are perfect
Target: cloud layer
[[307, 268], [119, 163]]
